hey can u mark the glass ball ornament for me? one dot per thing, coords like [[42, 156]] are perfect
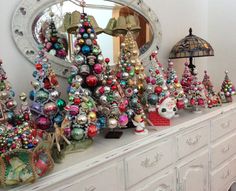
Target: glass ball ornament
[[96, 51], [112, 123], [86, 49], [43, 123], [81, 119], [92, 116], [77, 134], [91, 80], [84, 70], [41, 96], [61, 104], [74, 110], [98, 68], [79, 59], [50, 108], [100, 58], [123, 120], [152, 99], [92, 131]]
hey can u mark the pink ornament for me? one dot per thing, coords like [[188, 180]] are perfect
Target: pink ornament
[[153, 81], [200, 102], [98, 68], [67, 132], [43, 123], [148, 80], [50, 108], [123, 120], [48, 45], [74, 110]]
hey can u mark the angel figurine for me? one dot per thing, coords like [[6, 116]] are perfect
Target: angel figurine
[[139, 124]]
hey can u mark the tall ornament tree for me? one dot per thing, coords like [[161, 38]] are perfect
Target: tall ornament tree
[[47, 106], [227, 89], [131, 77], [193, 89], [213, 99], [53, 44], [174, 86], [159, 105]]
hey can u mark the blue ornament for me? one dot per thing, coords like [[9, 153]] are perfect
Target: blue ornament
[[68, 89], [86, 49], [31, 95], [58, 119], [45, 66], [35, 73], [10, 115], [30, 146], [57, 46], [12, 93]]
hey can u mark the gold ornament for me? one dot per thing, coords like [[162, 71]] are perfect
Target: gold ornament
[[92, 116]]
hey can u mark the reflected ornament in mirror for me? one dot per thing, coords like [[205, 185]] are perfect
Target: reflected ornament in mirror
[[31, 16]]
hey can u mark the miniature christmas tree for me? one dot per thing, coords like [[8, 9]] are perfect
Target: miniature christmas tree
[[157, 96], [174, 87], [193, 90], [15, 130], [131, 77], [47, 106], [53, 44], [213, 99], [227, 89]]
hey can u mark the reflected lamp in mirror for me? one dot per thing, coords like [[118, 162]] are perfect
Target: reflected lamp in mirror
[[189, 47]]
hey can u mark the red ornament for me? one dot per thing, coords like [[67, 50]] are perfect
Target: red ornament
[[53, 39], [26, 116], [157, 72], [77, 101], [118, 75], [122, 107], [47, 84], [54, 80], [114, 87], [109, 81], [180, 104], [101, 90], [86, 24], [200, 102], [91, 80], [192, 101], [158, 89], [92, 131], [95, 42], [107, 60], [176, 80], [128, 68], [38, 66]]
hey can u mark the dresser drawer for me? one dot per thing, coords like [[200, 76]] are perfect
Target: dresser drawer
[[109, 178], [223, 175], [223, 150], [162, 183], [191, 141], [146, 163], [223, 125]]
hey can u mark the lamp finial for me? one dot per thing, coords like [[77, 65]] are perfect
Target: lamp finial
[[190, 32]]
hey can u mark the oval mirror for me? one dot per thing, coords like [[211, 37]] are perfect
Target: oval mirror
[[110, 19]]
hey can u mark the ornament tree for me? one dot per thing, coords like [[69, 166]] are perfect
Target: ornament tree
[[213, 99], [47, 106], [53, 44], [193, 90], [15, 130], [131, 77], [227, 89], [174, 86], [157, 96], [109, 98]]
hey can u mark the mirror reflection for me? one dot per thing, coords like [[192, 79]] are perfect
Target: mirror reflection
[[110, 21]]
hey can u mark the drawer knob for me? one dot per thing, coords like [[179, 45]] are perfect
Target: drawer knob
[[226, 175], [225, 125], [147, 163], [91, 188], [225, 149], [193, 141]]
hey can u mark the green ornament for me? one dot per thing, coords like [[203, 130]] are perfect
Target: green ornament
[[89, 104], [110, 98], [2, 86], [70, 79], [71, 99], [131, 73], [77, 134], [42, 96], [61, 104]]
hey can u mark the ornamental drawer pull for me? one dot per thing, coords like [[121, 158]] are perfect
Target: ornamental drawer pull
[[226, 175], [225, 125], [193, 141], [147, 163], [225, 149], [91, 188]]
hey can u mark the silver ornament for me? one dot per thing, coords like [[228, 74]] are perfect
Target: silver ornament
[[100, 59], [55, 94], [81, 119], [107, 89], [84, 70], [103, 99], [112, 123]]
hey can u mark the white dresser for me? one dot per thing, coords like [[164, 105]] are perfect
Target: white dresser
[[197, 153]]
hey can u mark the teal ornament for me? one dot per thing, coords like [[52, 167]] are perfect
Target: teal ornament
[[35, 74], [86, 49], [77, 134], [12, 93], [31, 95], [134, 102], [40, 46], [152, 99], [58, 119], [79, 59], [45, 66], [61, 104], [85, 35], [57, 46], [41, 96]]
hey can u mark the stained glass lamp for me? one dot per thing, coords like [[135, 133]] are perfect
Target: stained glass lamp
[[189, 47]]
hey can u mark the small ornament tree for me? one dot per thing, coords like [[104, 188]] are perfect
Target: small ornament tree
[[213, 99], [156, 94], [130, 76], [174, 86], [15, 130], [193, 90], [53, 44], [227, 89]]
